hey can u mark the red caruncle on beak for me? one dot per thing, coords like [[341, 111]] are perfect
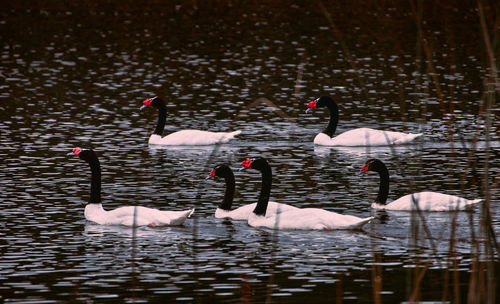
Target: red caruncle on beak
[[246, 163], [76, 151], [311, 105]]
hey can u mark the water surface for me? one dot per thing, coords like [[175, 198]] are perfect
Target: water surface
[[77, 77]]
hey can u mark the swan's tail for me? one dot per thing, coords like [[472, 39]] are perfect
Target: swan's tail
[[407, 138], [361, 223], [230, 135], [182, 218], [472, 203]]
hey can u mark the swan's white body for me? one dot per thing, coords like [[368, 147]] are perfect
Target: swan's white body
[[242, 213], [429, 201], [365, 137], [193, 137], [308, 219], [143, 216]]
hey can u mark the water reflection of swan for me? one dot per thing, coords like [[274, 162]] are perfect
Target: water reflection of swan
[[183, 137], [355, 137], [362, 151], [101, 230], [174, 233], [380, 151], [128, 215], [303, 219], [242, 213], [425, 201], [193, 150]]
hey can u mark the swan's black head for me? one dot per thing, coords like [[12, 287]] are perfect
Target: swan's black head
[[258, 163], [373, 165], [222, 171], [321, 102], [156, 102], [85, 154]]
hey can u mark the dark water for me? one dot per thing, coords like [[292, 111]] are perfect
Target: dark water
[[76, 76]]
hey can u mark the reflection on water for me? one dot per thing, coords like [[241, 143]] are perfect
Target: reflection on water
[[77, 76], [372, 152]]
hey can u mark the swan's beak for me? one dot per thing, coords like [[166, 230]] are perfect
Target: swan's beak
[[309, 110], [142, 107], [70, 154], [208, 177]]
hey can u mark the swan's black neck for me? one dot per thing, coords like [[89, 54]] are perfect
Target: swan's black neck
[[334, 115], [265, 190], [383, 190], [229, 194], [162, 117], [95, 182]]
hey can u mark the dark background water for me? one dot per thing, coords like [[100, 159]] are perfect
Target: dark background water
[[75, 74]]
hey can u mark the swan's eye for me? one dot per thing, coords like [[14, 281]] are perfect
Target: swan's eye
[[147, 102], [364, 168], [246, 163], [312, 105], [212, 173]]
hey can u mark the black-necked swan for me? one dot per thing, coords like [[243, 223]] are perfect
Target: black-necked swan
[[242, 213], [183, 137], [299, 219], [94, 211], [426, 201], [356, 137]]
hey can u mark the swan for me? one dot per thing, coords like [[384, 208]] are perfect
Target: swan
[[183, 137], [356, 137], [94, 211], [297, 218], [242, 213], [426, 201]]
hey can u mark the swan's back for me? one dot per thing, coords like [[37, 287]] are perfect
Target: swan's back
[[238, 214], [242, 213]]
